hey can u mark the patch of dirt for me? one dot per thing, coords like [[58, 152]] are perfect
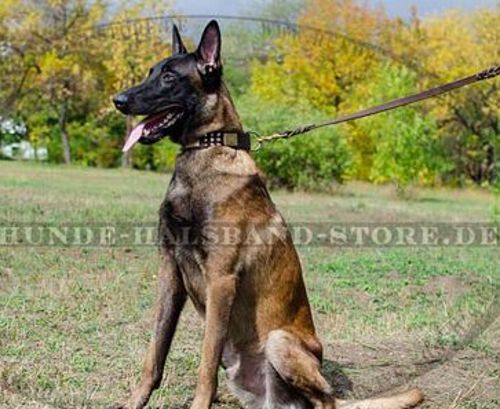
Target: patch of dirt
[[393, 276], [450, 287], [18, 401], [468, 377], [360, 297], [364, 368], [6, 272]]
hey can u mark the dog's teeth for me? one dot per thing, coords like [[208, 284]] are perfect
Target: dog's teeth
[[166, 121]]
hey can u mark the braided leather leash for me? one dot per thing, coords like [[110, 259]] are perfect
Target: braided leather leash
[[396, 103]]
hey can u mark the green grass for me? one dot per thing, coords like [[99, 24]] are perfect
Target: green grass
[[75, 322]]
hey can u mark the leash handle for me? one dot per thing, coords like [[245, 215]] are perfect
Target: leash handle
[[387, 106]]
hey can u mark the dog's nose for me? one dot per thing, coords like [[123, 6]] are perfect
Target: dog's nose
[[120, 101]]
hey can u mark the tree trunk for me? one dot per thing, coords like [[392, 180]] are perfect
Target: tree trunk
[[35, 151], [127, 156], [491, 164], [64, 134]]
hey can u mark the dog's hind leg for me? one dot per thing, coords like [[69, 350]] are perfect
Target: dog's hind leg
[[298, 368], [170, 301]]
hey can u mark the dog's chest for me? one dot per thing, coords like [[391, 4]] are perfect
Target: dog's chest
[[184, 210], [182, 216]]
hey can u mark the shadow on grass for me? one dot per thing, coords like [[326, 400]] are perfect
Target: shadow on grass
[[330, 369], [432, 200], [337, 378]]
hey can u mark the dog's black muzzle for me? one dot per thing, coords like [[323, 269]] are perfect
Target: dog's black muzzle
[[130, 102]]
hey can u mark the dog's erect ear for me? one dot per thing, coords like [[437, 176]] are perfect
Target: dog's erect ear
[[208, 51], [177, 44]]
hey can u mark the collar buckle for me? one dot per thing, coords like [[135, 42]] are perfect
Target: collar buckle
[[230, 139]]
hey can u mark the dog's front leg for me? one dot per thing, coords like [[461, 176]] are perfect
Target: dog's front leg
[[170, 301], [221, 290]]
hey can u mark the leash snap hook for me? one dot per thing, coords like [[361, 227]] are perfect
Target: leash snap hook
[[257, 147], [259, 143]]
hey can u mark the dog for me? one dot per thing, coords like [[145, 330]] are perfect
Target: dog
[[258, 322]]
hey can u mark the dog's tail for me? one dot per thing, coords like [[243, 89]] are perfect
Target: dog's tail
[[404, 400]]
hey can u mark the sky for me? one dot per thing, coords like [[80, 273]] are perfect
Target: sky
[[394, 7]]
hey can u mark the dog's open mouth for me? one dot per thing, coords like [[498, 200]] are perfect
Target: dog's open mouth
[[153, 128]]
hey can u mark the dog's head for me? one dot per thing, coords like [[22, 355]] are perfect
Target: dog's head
[[176, 91]]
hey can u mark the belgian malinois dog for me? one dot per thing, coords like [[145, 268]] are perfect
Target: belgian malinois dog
[[258, 322]]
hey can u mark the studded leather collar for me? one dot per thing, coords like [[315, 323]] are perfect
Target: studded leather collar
[[236, 140]]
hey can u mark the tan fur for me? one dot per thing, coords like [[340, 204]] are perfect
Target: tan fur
[[258, 321]]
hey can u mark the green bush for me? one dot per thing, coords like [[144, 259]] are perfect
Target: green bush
[[54, 146], [407, 146], [164, 154], [97, 142], [495, 214], [160, 156], [312, 161], [93, 142]]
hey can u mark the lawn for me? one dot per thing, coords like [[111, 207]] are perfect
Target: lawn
[[75, 321]]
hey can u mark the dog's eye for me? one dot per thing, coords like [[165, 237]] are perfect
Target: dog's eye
[[168, 77]]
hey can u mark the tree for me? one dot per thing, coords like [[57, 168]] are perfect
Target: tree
[[64, 66], [447, 47], [52, 36], [329, 63], [135, 48], [345, 50], [407, 147], [459, 44]]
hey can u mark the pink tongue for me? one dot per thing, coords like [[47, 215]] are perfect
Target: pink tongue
[[134, 136]]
